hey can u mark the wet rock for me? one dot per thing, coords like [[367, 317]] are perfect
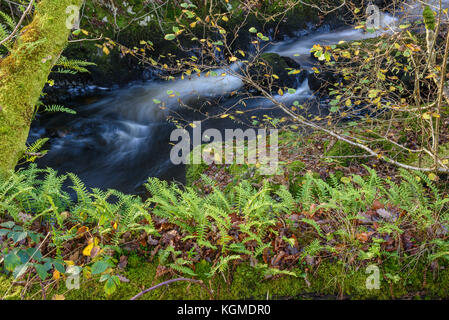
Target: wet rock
[[274, 64], [320, 81]]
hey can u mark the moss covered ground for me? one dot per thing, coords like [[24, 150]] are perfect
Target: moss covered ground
[[331, 280]]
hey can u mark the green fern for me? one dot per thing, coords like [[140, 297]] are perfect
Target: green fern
[[58, 108], [74, 65]]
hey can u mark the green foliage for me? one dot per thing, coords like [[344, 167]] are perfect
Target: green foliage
[[197, 216], [416, 194], [35, 150], [58, 108], [38, 195]]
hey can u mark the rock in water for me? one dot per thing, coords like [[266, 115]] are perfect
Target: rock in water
[[286, 72]]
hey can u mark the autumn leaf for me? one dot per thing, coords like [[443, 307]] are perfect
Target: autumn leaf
[[56, 275], [87, 250], [106, 50], [82, 230]]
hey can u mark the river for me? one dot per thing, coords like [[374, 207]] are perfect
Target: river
[[121, 138]]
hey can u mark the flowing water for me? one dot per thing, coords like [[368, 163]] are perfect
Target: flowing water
[[122, 138]]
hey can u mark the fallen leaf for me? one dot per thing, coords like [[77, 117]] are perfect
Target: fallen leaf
[[377, 205], [95, 251], [56, 275], [87, 250]]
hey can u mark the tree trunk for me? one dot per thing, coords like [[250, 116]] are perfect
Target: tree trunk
[[24, 73]]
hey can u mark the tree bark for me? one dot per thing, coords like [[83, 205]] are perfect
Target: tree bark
[[24, 73]]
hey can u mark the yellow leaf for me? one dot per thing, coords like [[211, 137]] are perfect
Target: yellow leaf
[[225, 18], [58, 297], [106, 50], [56, 275], [232, 59], [88, 249], [224, 116], [281, 93], [433, 177], [69, 262], [426, 116]]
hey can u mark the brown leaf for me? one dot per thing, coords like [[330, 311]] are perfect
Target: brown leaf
[[364, 236], [123, 262], [161, 270], [95, 251], [82, 230], [377, 205], [74, 257]]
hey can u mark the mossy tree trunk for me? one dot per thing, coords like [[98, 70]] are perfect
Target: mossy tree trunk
[[24, 72]]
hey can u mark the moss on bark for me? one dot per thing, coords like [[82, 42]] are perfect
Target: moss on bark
[[24, 72]]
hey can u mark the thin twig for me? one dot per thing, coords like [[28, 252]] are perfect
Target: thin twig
[[171, 281]]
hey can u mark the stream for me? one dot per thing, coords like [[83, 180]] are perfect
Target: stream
[[120, 138]]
